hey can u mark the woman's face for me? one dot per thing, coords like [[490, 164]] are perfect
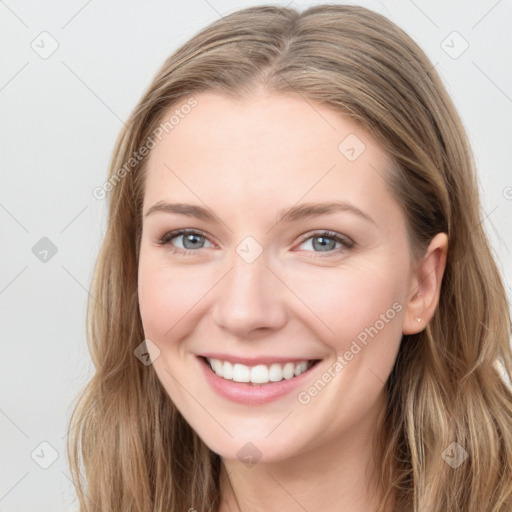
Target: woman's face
[[295, 262]]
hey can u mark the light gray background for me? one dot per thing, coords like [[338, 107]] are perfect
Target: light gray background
[[60, 118]]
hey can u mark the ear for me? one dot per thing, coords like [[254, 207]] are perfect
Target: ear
[[425, 286]]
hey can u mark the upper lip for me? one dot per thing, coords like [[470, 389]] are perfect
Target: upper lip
[[254, 361]]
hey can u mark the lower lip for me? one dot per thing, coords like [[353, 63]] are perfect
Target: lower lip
[[252, 394]]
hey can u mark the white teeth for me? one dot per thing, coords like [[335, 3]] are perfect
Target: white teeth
[[300, 368], [226, 370], [216, 366], [260, 374], [288, 371], [275, 373], [241, 373]]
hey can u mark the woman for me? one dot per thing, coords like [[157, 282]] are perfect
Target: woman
[[295, 304]]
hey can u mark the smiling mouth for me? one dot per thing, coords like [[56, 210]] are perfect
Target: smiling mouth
[[261, 373]]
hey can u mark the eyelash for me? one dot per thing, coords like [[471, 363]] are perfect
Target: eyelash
[[344, 240]]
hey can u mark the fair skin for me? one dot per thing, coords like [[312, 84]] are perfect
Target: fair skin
[[306, 297]]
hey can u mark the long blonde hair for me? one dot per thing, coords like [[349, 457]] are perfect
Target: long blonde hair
[[129, 447]]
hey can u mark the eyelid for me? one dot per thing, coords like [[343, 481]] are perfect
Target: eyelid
[[346, 241], [328, 234], [166, 238]]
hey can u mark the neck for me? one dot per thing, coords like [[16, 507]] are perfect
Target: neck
[[339, 475]]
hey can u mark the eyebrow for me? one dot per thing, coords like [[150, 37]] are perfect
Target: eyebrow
[[302, 211]]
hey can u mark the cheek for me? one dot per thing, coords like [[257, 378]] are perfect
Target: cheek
[[348, 302], [167, 296]]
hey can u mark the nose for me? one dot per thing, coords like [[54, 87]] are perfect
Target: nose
[[249, 300]]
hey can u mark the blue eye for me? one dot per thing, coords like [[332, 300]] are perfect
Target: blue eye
[[188, 241], [327, 242]]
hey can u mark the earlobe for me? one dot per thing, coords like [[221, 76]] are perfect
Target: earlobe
[[425, 288]]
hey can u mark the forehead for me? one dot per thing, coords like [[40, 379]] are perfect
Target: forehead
[[266, 152]]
